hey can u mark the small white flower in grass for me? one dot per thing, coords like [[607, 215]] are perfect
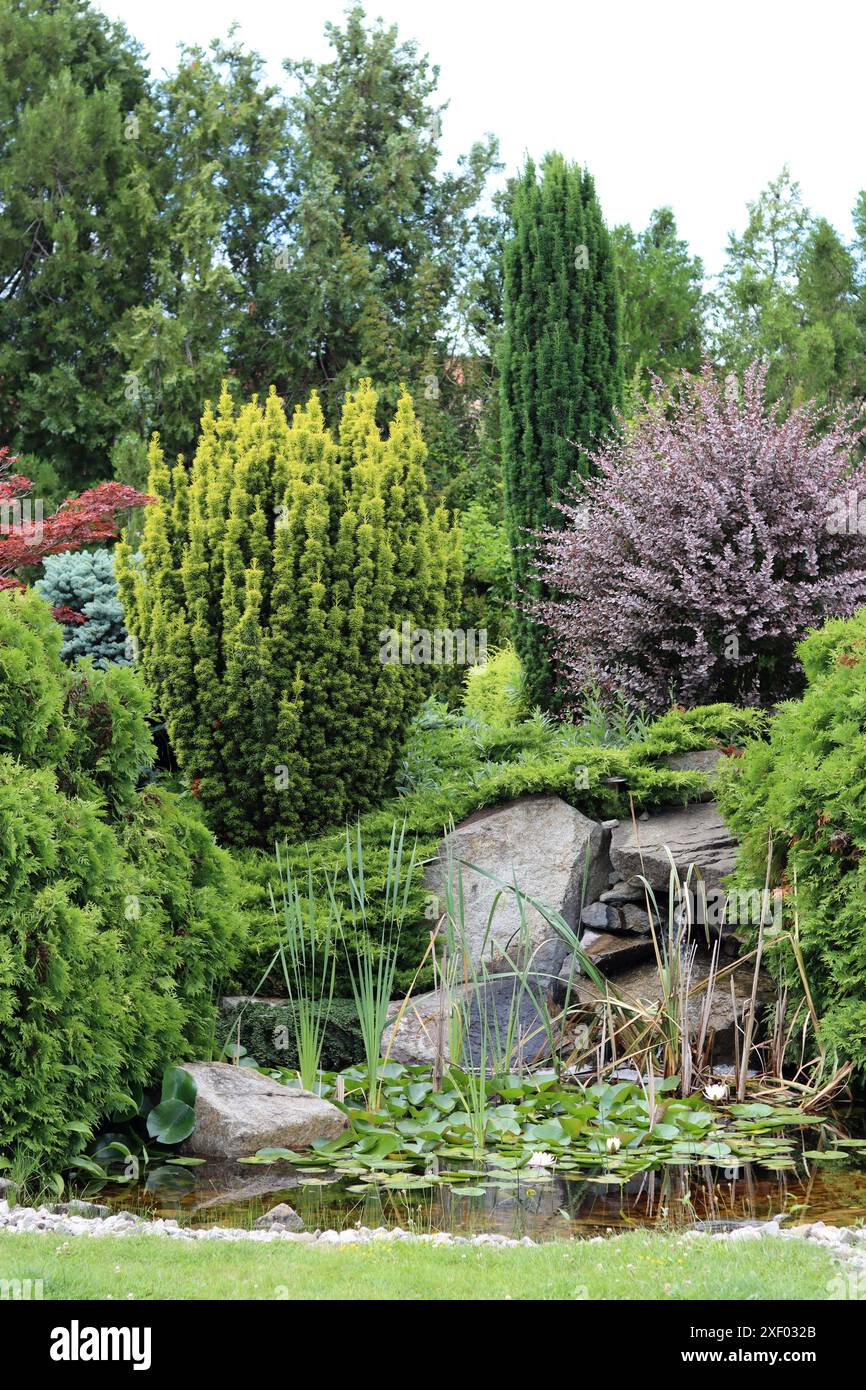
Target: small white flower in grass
[[540, 1160], [716, 1091], [613, 1145]]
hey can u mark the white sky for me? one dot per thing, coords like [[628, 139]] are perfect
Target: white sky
[[695, 103]]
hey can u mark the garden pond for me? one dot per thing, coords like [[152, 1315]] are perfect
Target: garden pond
[[517, 1155]]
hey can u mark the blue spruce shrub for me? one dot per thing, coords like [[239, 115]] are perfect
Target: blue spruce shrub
[[84, 581]]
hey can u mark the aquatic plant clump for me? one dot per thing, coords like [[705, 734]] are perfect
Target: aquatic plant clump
[[537, 1124]]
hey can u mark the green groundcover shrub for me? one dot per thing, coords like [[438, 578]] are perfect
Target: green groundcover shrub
[[456, 763], [806, 787], [267, 1032], [117, 910]]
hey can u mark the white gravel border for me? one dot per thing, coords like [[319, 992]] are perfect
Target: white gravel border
[[35, 1220], [847, 1242]]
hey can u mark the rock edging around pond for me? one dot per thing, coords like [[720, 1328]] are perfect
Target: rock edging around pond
[[37, 1220], [848, 1243]]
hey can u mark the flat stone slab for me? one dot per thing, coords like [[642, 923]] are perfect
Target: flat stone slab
[[542, 845], [694, 834], [612, 954], [624, 893], [238, 1110]]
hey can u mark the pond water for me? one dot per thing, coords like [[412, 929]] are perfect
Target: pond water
[[547, 1207]]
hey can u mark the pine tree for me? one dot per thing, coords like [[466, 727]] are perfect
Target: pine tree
[[380, 241], [268, 572], [561, 374]]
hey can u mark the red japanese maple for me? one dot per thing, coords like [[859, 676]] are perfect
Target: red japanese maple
[[26, 538]]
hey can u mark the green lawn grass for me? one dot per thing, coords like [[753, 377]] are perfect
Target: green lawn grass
[[639, 1265]]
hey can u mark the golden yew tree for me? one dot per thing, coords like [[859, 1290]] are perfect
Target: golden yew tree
[[266, 574]]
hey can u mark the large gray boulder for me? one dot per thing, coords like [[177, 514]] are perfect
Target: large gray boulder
[[542, 845], [484, 1015], [238, 1110], [694, 834]]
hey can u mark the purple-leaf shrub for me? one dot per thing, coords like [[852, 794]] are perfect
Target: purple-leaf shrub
[[713, 535]]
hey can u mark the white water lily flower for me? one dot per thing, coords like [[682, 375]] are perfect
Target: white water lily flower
[[717, 1091], [613, 1145], [540, 1160]]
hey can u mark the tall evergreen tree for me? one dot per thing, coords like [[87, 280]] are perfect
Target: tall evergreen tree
[[661, 292], [560, 363], [76, 225], [222, 209], [790, 294], [382, 238]]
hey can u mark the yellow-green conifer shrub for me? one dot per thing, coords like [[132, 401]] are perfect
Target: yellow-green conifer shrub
[[268, 572]]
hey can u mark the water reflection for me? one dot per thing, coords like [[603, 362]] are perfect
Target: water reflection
[[563, 1205]]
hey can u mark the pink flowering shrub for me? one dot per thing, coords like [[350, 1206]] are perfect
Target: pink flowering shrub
[[713, 536]]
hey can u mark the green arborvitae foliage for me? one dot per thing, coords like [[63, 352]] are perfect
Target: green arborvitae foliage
[[269, 571], [806, 787], [117, 911], [560, 366], [267, 1031], [84, 581]]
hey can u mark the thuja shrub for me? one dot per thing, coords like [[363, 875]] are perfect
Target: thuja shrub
[[271, 572], [804, 791], [84, 584], [707, 545], [117, 910]]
